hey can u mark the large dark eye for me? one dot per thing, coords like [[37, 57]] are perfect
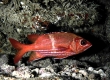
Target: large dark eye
[[83, 42]]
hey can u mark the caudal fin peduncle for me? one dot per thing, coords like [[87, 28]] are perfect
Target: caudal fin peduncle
[[22, 49]]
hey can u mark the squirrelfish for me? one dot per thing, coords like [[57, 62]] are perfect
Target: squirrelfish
[[58, 45]]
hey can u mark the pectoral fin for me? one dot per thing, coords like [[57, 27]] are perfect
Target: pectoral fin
[[35, 56]]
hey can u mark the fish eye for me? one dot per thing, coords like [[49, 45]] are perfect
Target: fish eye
[[83, 42]]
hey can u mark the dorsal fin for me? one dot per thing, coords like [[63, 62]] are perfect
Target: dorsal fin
[[33, 37]]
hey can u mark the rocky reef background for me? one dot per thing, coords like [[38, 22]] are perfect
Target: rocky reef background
[[87, 18]]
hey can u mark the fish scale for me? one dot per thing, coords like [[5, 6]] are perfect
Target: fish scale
[[58, 45]]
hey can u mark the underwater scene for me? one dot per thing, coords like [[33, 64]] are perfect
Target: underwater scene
[[54, 40]]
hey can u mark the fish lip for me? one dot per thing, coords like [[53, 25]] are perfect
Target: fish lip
[[89, 45]]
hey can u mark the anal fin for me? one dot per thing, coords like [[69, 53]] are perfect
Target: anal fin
[[35, 56]]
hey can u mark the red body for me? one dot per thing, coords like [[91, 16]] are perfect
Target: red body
[[58, 45]]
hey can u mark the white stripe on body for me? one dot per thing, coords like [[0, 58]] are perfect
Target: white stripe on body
[[52, 41]]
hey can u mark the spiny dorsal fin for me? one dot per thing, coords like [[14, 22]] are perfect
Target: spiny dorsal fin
[[33, 37]]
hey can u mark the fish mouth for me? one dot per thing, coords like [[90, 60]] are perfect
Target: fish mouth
[[88, 46]]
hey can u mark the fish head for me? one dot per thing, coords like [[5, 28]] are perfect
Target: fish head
[[80, 44]]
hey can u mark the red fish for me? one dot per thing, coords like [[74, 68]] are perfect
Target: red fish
[[58, 45]]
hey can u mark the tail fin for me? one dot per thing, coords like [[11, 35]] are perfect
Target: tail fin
[[22, 49]]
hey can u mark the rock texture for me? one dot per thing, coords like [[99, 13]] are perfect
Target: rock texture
[[89, 19]]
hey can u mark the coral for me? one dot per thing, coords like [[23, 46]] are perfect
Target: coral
[[18, 18], [37, 15], [3, 59], [7, 69], [21, 72]]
